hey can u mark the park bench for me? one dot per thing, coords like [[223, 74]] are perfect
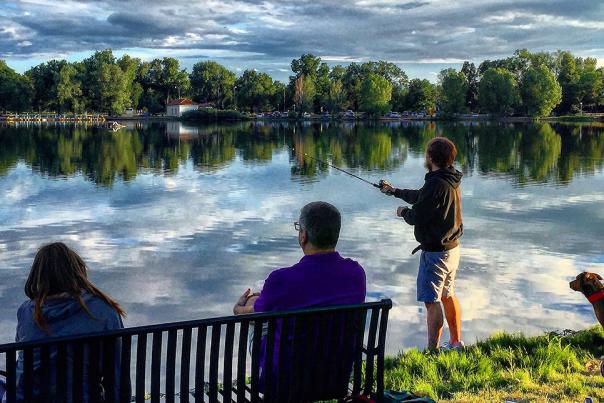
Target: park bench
[[322, 354]]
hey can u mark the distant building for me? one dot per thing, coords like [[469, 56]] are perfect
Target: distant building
[[177, 107]]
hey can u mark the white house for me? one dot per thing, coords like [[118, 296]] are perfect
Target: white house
[[177, 107]]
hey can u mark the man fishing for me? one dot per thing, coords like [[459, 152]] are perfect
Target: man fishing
[[436, 214]]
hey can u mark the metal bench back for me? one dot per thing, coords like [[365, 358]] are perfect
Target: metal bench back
[[321, 354]]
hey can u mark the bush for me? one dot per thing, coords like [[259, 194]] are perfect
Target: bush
[[212, 115]]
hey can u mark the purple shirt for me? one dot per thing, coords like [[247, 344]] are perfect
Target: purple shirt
[[317, 280]]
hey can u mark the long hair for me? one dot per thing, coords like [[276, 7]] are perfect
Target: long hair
[[59, 270]]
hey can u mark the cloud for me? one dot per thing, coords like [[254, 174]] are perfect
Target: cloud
[[256, 33]]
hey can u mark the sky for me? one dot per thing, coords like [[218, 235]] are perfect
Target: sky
[[421, 36]]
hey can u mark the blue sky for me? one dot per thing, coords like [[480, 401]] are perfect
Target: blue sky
[[422, 36]]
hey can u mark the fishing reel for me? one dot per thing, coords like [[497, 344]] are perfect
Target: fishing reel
[[382, 183]]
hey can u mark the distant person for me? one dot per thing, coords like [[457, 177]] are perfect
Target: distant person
[[321, 278], [62, 302], [436, 215]]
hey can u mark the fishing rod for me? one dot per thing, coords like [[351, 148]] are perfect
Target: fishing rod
[[377, 185]]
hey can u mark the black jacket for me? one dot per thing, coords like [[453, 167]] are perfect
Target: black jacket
[[436, 211]]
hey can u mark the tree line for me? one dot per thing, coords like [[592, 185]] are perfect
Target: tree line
[[533, 84]]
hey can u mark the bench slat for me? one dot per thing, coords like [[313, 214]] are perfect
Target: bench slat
[[11, 375], [185, 364], [171, 366], [371, 350], [45, 366], [214, 356], [256, 361], [358, 359], [28, 369], [78, 371], [200, 355], [141, 365], [268, 362], [381, 349], [242, 360], [125, 390], [156, 366], [227, 380], [62, 380]]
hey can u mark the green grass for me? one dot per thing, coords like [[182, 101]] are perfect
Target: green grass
[[506, 366]]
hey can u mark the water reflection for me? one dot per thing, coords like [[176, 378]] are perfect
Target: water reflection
[[525, 153], [176, 221]]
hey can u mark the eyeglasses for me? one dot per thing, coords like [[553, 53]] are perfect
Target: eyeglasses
[[297, 226]]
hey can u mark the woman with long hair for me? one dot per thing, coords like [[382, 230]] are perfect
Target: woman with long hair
[[62, 301]]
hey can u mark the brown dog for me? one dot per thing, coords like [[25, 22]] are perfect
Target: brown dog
[[589, 284]]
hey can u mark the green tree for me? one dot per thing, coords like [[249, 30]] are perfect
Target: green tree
[[322, 86], [540, 91], [151, 98], [453, 91], [568, 77], [306, 65], [254, 90], [353, 79], [589, 85], [469, 70], [171, 80], [69, 91], [498, 92], [212, 82], [15, 90], [45, 78], [336, 97], [279, 98], [421, 96], [130, 67], [376, 93], [304, 93]]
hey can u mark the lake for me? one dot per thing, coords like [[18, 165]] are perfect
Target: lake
[[175, 221]]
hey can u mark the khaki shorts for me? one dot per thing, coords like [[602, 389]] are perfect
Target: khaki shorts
[[436, 276]]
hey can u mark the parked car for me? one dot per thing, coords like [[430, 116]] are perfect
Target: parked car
[[326, 115], [306, 115], [393, 115]]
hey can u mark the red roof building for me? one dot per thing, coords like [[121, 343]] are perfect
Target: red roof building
[[176, 107]]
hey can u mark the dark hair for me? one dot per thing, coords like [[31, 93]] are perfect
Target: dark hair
[[442, 151], [58, 269], [322, 222]]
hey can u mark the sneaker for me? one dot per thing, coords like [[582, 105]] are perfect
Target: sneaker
[[447, 346]]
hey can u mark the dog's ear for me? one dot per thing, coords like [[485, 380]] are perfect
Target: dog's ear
[[592, 276]]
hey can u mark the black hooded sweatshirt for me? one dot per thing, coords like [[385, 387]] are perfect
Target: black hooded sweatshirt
[[436, 211]]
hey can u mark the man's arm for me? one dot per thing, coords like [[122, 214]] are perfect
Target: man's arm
[[245, 304], [409, 195], [423, 209]]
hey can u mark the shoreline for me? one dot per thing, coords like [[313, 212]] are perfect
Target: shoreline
[[316, 119]]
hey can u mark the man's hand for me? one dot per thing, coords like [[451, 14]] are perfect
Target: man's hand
[[400, 212], [245, 304], [386, 187]]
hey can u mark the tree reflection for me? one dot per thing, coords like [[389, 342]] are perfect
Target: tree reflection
[[524, 153]]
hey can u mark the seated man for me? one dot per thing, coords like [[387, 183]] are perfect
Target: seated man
[[321, 278]]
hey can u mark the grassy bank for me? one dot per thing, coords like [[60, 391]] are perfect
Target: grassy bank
[[506, 367]]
